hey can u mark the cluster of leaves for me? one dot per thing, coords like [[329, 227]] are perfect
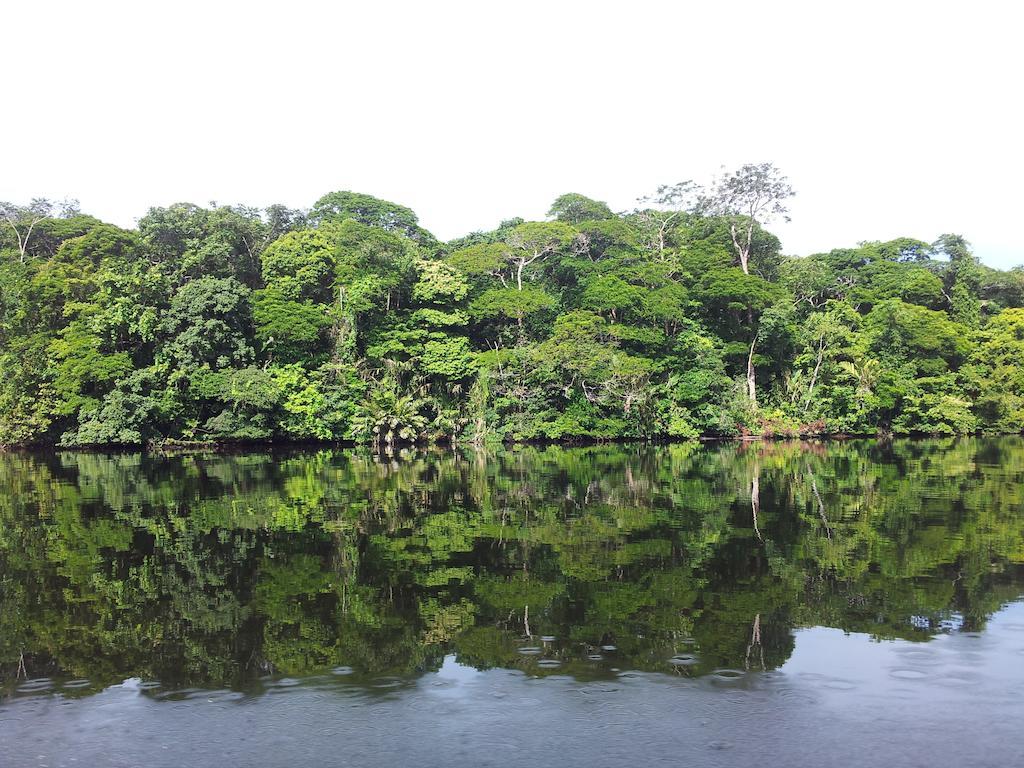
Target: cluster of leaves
[[351, 322]]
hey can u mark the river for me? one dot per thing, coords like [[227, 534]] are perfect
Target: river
[[849, 603]]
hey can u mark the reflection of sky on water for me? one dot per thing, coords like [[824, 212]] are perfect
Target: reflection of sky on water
[[840, 700], [954, 668]]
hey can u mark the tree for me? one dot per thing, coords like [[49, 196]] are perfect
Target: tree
[[906, 335], [748, 197], [680, 319], [511, 303], [864, 371], [192, 241], [963, 279], [996, 376], [289, 331], [300, 265], [734, 301], [371, 211], [611, 294], [823, 332], [281, 219], [574, 209], [604, 374], [665, 209], [23, 219], [530, 242], [439, 283], [209, 324], [524, 246]]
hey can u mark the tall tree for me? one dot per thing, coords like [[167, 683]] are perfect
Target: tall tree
[[750, 196], [666, 208], [530, 242], [963, 279], [574, 208], [371, 211], [747, 197], [23, 219]]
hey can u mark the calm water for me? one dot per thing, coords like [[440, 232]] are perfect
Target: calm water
[[791, 603]]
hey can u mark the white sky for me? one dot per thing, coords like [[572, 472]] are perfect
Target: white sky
[[890, 118]]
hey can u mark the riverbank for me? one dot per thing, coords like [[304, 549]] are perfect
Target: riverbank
[[240, 446]]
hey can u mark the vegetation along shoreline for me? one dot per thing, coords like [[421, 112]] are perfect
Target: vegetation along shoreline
[[349, 323]]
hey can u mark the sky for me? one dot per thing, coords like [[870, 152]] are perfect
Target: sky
[[889, 118]]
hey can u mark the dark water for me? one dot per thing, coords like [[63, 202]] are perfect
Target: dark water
[[790, 603]]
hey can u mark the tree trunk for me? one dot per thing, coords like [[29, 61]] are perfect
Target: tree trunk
[[755, 641], [742, 249], [755, 499], [751, 377], [814, 376], [821, 504]]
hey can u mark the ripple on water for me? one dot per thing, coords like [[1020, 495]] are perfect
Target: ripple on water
[[839, 685], [683, 660], [36, 685], [728, 674], [549, 663], [597, 688], [530, 650], [918, 656], [908, 674], [548, 638], [180, 694], [599, 657], [798, 695], [223, 695], [609, 648], [76, 684], [386, 683], [342, 671], [955, 680]]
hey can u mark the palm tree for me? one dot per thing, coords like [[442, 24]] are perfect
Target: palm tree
[[865, 371], [389, 415]]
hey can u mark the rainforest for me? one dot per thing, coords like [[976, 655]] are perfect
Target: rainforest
[[348, 321]]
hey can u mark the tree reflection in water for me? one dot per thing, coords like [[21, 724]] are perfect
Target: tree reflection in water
[[213, 570]]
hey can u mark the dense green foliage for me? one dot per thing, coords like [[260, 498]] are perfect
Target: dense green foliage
[[351, 322], [212, 570]]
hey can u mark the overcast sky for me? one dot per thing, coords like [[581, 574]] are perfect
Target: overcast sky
[[890, 118]]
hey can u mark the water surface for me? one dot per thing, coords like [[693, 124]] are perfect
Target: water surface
[[848, 603]]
